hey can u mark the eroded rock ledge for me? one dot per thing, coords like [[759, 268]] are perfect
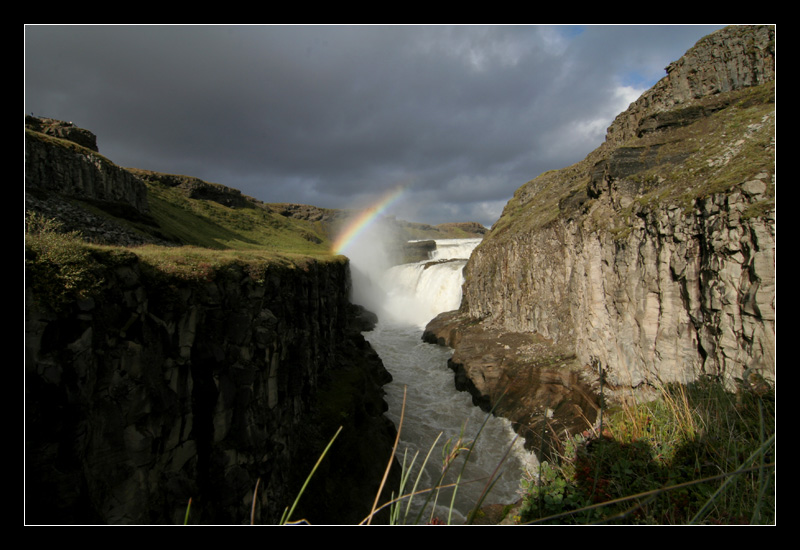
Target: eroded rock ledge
[[537, 385]]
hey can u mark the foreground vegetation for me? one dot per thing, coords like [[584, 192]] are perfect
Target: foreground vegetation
[[697, 455]]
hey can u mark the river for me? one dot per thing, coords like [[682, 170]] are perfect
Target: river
[[405, 298]]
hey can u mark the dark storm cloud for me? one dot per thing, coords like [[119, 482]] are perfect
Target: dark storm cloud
[[334, 116]]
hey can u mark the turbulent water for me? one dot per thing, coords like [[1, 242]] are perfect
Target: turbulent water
[[406, 297]]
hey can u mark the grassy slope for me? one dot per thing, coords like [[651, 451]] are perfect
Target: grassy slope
[[724, 149], [205, 235], [205, 223]]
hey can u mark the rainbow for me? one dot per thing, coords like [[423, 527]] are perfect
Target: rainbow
[[364, 220]]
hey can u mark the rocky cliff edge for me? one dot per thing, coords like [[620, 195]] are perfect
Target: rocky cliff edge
[[651, 261]]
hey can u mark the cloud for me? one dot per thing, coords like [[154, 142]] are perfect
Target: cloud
[[329, 115]]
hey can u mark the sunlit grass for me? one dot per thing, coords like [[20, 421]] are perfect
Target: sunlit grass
[[208, 224], [698, 454]]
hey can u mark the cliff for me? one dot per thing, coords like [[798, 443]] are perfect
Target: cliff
[[652, 260], [152, 391], [59, 171], [216, 372]]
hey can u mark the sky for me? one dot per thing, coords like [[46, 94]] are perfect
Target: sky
[[449, 119]]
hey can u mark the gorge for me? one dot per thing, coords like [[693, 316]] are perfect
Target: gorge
[[436, 414], [205, 347], [163, 369]]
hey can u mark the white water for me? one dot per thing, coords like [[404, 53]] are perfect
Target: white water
[[405, 298], [447, 249]]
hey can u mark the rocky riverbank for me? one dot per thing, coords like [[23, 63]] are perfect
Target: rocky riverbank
[[542, 389]]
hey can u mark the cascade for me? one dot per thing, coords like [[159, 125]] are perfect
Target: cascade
[[459, 249], [406, 297]]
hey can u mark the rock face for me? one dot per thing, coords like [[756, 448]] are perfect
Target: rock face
[[520, 376], [654, 258], [81, 173], [728, 60], [63, 130], [156, 391]]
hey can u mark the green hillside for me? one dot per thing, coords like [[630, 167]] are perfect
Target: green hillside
[[244, 225]]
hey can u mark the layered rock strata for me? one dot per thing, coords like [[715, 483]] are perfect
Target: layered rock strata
[[80, 172], [62, 130]]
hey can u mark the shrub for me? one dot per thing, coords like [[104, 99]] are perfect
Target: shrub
[[58, 265]]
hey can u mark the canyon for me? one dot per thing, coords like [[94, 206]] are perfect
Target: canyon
[[197, 353], [219, 379]]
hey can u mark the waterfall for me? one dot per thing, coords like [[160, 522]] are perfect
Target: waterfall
[[448, 249], [416, 293], [406, 297]]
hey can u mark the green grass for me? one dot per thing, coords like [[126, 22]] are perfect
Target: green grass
[[711, 155], [208, 224], [62, 269], [59, 265], [699, 454]]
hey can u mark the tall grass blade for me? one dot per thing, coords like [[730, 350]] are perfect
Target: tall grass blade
[[188, 507], [405, 471], [253, 507], [391, 458], [493, 479], [762, 484], [760, 451], [288, 514], [419, 477]]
